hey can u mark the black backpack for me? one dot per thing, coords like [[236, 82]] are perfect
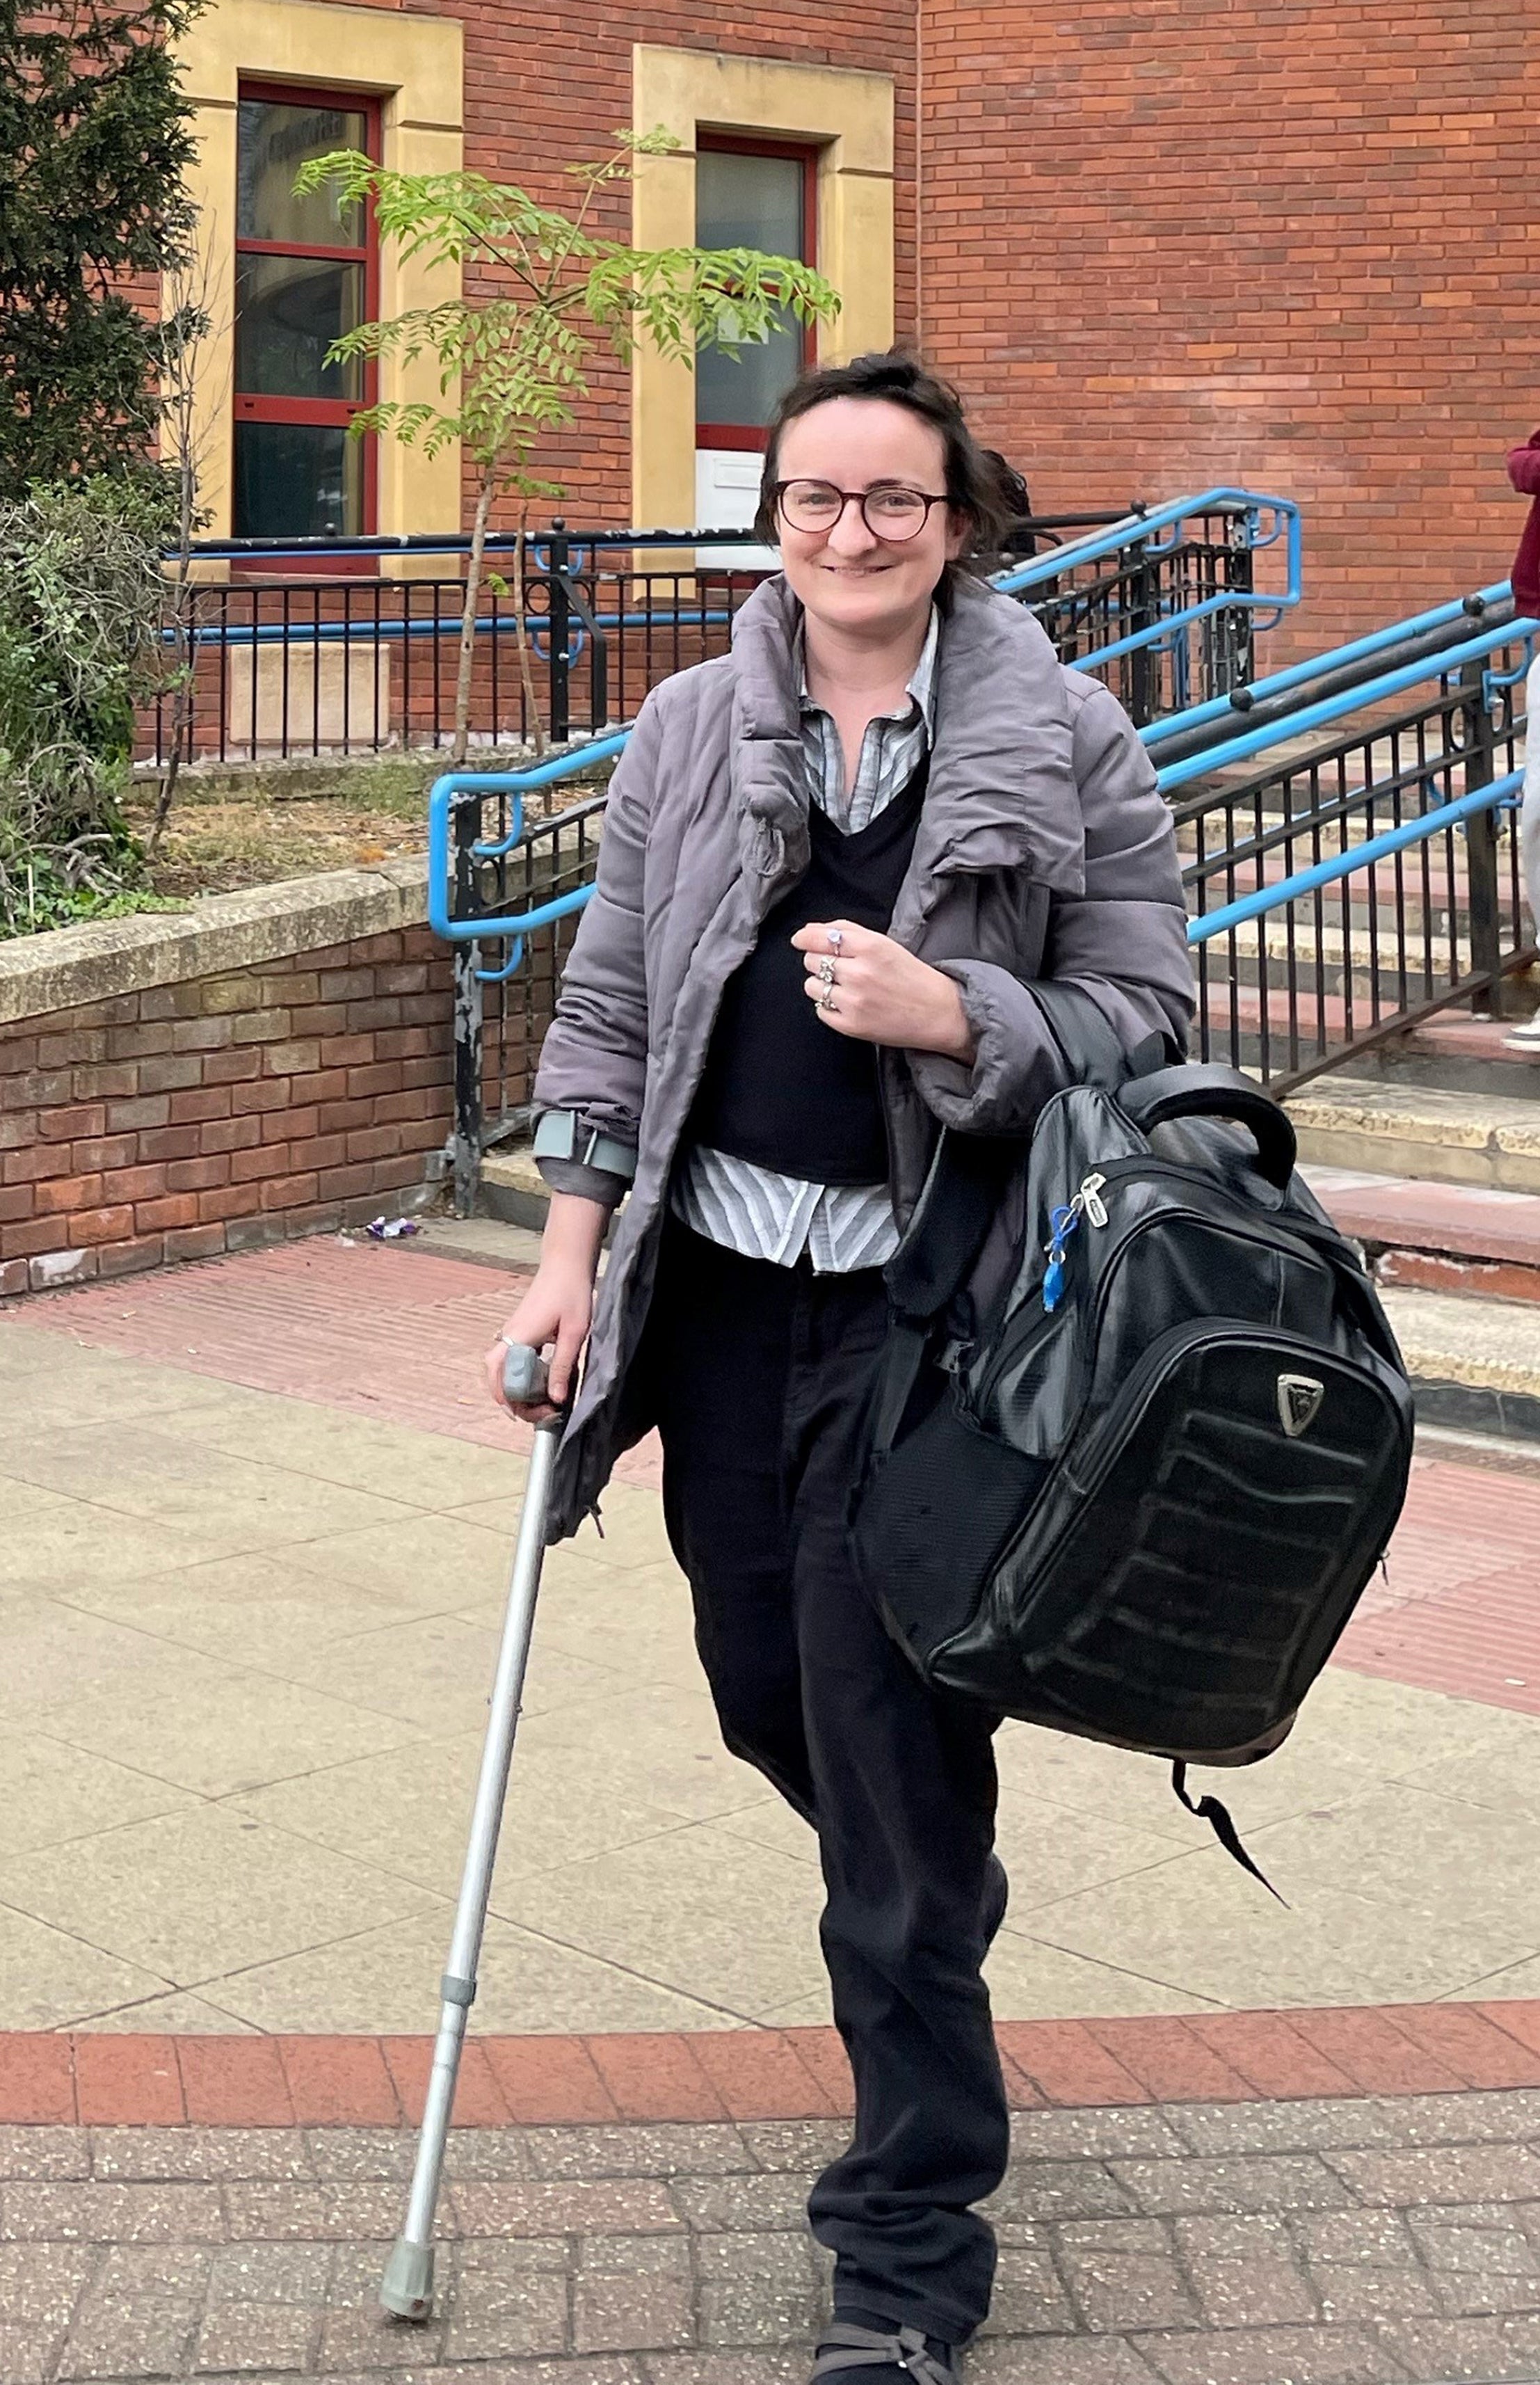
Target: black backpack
[[1140, 1501]]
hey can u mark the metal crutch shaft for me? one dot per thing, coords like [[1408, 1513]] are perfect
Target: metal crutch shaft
[[406, 2289]]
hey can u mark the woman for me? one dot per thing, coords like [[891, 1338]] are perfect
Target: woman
[[833, 863], [1523, 471]]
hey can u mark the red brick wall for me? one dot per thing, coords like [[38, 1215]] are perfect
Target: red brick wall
[[544, 90], [1283, 243], [223, 1112]]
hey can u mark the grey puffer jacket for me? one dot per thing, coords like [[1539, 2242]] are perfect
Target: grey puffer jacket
[[1044, 850]]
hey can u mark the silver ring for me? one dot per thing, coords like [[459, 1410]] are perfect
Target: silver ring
[[836, 939], [826, 1000], [826, 972]]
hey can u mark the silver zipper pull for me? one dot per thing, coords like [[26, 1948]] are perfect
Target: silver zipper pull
[[1090, 1199]]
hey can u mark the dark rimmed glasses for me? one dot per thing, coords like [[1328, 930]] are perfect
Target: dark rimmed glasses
[[891, 512]]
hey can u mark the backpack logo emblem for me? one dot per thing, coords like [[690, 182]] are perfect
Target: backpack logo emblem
[[1300, 1398]]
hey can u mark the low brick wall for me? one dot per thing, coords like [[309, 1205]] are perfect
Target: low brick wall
[[176, 1085]]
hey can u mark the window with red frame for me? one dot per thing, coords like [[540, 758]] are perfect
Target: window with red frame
[[305, 271], [759, 195]]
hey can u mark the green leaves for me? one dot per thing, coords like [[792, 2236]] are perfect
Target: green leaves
[[95, 142], [80, 601], [512, 366]]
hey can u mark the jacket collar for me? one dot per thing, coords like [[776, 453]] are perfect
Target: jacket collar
[[1001, 793]]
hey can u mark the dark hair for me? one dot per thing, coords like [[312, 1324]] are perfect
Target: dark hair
[[973, 476]]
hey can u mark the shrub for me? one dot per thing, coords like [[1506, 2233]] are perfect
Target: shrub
[[82, 599]]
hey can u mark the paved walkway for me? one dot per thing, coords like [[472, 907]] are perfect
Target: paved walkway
[[257, 1516], [254, 1523], [1210, 2202]]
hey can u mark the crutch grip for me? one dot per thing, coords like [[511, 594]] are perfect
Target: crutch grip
[[525, 1374]]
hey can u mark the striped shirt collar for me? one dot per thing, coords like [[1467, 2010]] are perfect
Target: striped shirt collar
[[922, 683]]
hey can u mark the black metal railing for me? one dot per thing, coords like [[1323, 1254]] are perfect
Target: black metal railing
[[1367, 875], [327, 664]]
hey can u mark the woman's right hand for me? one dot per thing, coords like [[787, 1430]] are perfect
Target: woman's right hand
[[557, 1310]]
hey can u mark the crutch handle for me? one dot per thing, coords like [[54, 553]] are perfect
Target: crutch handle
[[524, 1375]]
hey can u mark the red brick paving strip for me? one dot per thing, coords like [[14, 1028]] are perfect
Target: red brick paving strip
[[105, 2080], [376, 1330]]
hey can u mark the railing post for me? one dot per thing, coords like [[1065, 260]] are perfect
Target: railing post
[[1234, 666], [467, 1147], [560, 619], [1479, 745], [1141, 601]]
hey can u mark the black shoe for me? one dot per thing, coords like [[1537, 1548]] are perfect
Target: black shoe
[[904, 2356]]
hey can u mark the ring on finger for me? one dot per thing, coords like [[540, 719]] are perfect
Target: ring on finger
[[836, 939], [826, 972], [826, 1000]]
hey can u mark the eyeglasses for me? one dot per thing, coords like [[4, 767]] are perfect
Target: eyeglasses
[[893, 514]]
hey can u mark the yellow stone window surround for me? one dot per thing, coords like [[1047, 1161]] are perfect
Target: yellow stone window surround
[[848, 116], [414, 66]]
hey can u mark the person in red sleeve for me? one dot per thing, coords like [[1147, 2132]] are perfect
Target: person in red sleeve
[[1523, 471]]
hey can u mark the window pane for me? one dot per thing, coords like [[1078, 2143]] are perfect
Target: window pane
[[288, 311], [747, 202], [297, 480], [275, 138]]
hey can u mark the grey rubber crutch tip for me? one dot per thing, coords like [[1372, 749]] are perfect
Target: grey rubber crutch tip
[[406, 2289], [523, 1373]]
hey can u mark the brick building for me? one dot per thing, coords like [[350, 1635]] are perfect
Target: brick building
[[1284, 243]]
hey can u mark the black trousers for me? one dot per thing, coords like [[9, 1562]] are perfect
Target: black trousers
[[756, 1372]]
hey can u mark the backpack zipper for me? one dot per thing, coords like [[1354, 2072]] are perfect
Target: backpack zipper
[[1064, 1221]]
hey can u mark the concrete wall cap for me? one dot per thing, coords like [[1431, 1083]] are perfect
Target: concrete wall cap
[[67, 968]]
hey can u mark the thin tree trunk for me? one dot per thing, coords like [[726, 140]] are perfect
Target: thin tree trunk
[[526, 664], [468, 620], [185, 695]]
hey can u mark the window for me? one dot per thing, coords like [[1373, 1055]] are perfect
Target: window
[[752, 194], [304, 272]]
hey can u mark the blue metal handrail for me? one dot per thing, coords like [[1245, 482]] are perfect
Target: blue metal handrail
[[1361, 856], [1268, 605], [1449, 660], [516, 783], [1283, 682]]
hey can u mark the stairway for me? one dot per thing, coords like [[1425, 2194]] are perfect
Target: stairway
[[1429, 1155]]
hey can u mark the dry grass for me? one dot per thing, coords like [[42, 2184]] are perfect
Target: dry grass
[[213, 847], [234, 828]]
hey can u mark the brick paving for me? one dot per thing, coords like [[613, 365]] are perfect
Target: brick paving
[[1309, 2241], [374, 1328]]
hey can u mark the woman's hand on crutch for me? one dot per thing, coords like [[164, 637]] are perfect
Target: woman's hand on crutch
[[555, 1313]]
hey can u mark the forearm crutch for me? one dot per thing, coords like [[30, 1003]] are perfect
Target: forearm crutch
[[407, 2287]]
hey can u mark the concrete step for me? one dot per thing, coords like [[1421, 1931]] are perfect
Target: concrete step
[[1462, 1052], [1363, 1123], [1474, 1364], [483, 1242], [1469, 1239], [513, 1190]]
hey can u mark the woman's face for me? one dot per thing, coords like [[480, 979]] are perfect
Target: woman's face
[[849, 576]]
